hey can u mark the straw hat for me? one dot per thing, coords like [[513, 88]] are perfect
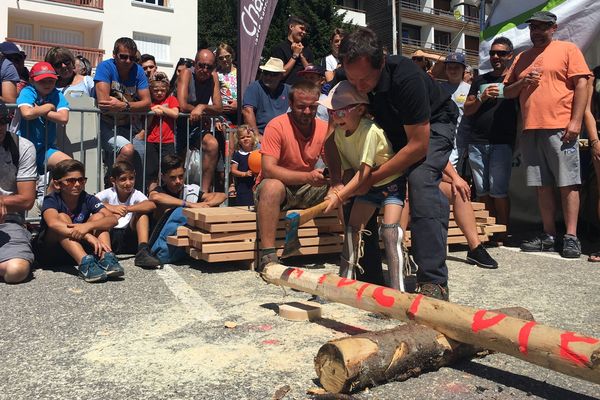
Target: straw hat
[[273, 65]]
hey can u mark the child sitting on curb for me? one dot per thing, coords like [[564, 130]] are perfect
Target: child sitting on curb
[[132, 208], [79, 223], [363, 147]]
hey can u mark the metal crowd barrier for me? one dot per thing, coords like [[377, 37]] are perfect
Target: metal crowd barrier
[[85, 124]]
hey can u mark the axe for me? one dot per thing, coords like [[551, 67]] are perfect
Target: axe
[[293, 221]]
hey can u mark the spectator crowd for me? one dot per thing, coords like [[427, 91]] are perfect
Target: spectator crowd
[[360, 129]]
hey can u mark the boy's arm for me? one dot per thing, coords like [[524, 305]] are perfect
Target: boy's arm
[[52, 218], [337, 197], [171, 112], [61, 117], [103, 224], [143, 207], [29, 112], [115, 209], [213, 199], [165, 200]]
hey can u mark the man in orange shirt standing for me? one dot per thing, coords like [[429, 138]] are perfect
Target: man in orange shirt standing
[[550, 81], [291, 147]]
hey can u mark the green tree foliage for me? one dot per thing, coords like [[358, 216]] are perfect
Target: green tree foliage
[[217, 22]]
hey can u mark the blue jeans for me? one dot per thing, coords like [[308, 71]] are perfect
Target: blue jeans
[[491, 165]]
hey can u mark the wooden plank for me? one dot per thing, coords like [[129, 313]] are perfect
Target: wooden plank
[[183, 231], [249, 255], [251, 226], [478, 214], [211, 248], [232, 214], [207, 237], [177, 241]]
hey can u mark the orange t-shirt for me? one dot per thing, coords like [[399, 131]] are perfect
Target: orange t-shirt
[[292, 149], [548, 106]]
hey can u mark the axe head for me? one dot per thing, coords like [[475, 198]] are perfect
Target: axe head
[[292, 243]]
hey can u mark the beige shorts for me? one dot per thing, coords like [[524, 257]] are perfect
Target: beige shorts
[[298, 197]]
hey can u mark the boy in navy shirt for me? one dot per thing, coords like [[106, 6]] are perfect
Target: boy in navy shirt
[[79, 223]]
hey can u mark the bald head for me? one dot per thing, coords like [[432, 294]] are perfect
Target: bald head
[[205, 64]]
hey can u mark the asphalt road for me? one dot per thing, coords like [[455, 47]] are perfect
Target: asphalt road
[[162, 334]]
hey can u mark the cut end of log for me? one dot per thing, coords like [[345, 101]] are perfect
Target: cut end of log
[[300, 311]]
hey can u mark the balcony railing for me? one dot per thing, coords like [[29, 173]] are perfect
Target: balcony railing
[[436, 11], [36, 51], [411, 45], [97, 4]]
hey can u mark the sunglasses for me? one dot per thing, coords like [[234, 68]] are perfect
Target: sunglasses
[[269, 73], [499, 53], [59, 65], [225, 58], [149, 67], [342, 112], [73, 181], [540, 27], [208, 67], [417, 58], [125, 57]]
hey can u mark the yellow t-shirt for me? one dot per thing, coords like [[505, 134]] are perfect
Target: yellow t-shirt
[[368, 144]]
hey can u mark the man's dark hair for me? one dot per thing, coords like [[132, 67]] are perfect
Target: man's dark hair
[[294, 20], [147, 57], [170, 162], [361, 43], [121, 167], [126, 42], [304, 86], [66, 166], [337, 32], [58, 55], [504, 41]]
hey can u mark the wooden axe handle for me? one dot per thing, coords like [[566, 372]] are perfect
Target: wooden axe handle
[[310, 213]]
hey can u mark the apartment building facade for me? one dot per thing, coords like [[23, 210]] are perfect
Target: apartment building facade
[[166, 29], [437, 26]]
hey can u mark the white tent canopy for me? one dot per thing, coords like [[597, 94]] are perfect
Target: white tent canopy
[[578, 22]]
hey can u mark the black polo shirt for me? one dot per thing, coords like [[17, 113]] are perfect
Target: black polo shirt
[[283, 51], [405, 95]]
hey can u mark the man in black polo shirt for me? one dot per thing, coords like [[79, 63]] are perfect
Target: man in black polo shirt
[[419, 120], [294, 54]]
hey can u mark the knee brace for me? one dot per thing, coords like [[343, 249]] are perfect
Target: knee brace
[[392, 236], [352, 252]]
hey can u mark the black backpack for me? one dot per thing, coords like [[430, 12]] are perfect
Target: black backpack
[[11, 143]]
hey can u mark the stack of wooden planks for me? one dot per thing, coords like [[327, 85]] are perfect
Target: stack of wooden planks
[[229, 233]]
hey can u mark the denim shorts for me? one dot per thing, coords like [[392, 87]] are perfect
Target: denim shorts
[[114, 143], [491, 166], [390, 193]]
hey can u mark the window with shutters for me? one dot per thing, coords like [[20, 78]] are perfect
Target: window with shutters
[[158, 46], [61, 36], [23, 31]]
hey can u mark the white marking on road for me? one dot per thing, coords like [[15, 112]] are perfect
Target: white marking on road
[[540, 254], [198, 308]]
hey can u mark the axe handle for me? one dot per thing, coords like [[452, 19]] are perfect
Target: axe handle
[[310, 213]]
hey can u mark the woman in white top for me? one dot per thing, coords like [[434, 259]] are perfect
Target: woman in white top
[[331, 61]]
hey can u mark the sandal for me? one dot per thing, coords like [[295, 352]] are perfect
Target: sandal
[[594, 257]]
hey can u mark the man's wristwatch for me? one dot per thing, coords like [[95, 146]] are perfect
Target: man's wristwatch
[[295, 57]]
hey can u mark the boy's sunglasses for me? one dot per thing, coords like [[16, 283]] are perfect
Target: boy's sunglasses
[[342, 112], [125, 57], [499, 53], [208, 67], [225, 58], [73, 181]]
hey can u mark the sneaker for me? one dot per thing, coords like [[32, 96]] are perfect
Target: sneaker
[[90, 271], [543, 242], [265, 260], [110, 264], [481, 257], [434, 290], [144, 258], [571, 247]]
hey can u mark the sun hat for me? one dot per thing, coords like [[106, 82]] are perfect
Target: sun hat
[[542, 16], [342, 95], [273, 65], [457, 58], [312, 69]]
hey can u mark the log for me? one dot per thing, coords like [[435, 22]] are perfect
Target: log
[[567, 352], [356, 362]]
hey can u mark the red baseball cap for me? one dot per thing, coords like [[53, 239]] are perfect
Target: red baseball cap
[[42, 70]]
